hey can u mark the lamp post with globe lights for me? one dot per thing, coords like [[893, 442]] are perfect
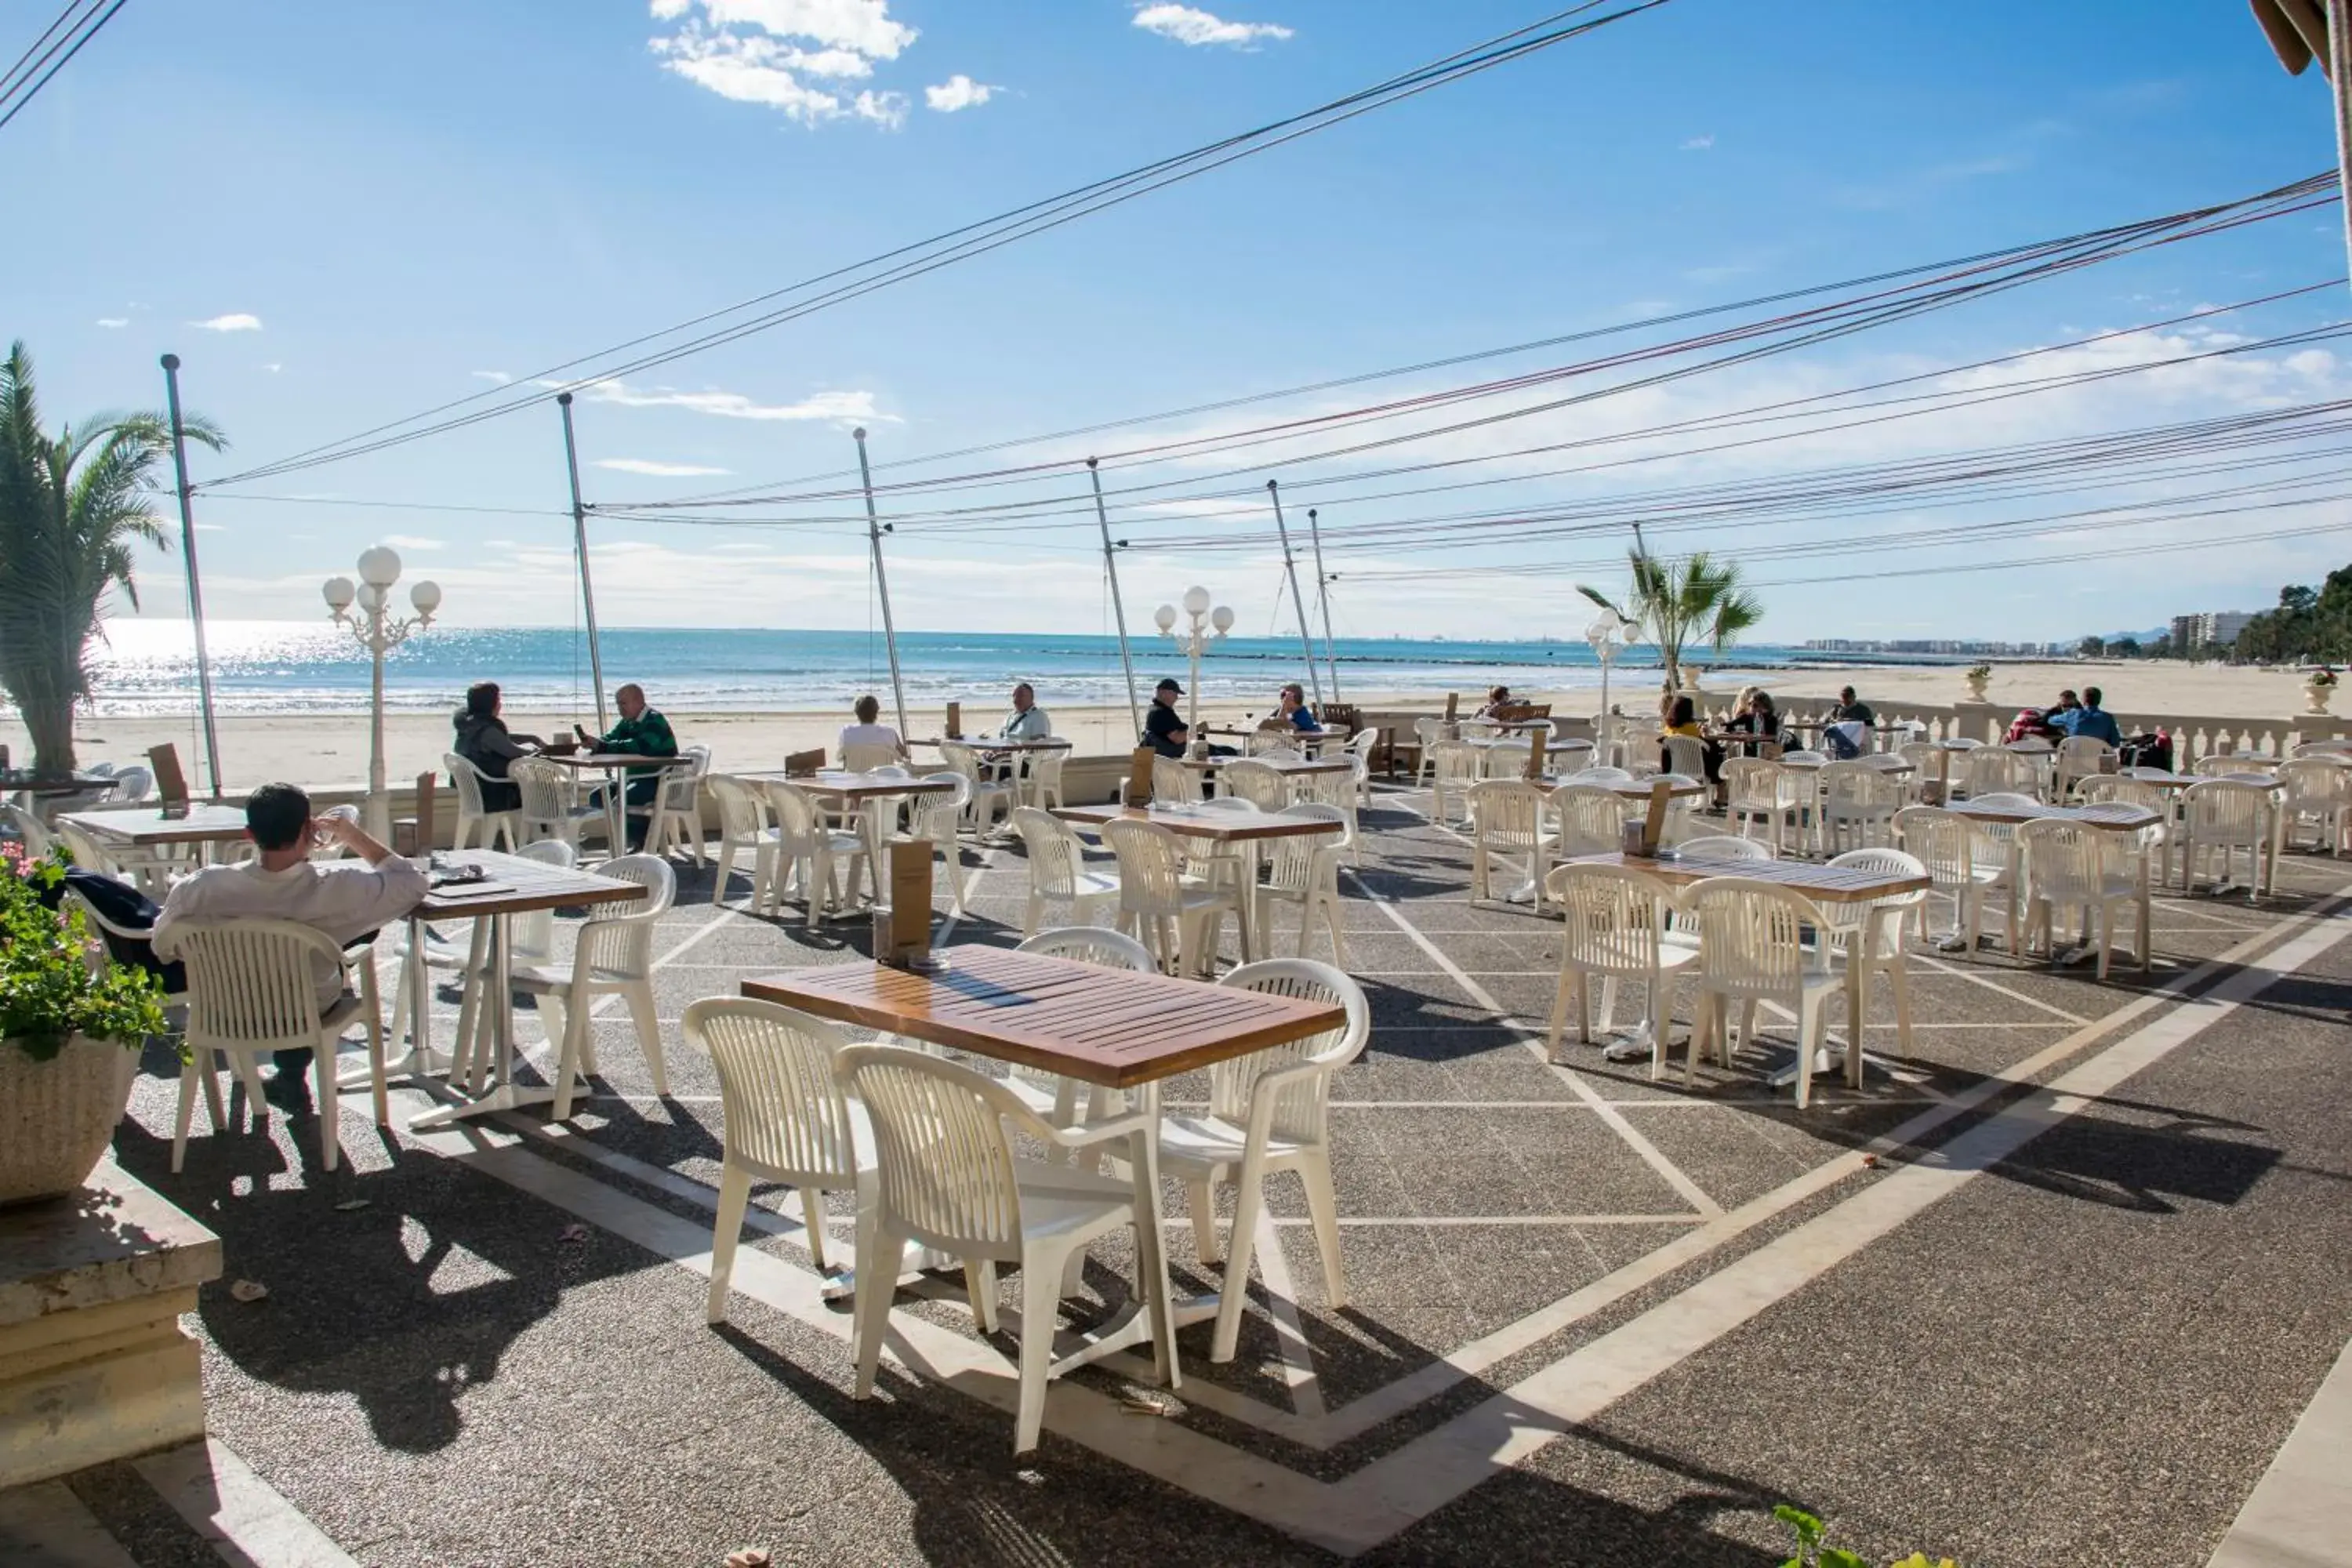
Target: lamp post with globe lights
[[1609, 634], [379, 569], [1208, 626]]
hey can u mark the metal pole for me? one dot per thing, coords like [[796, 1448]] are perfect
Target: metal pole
[[881, 581], [1323, 591], [579, 547], [195, 588], [2339, 79], [378, 805], [1110, 564], [1290, 570]]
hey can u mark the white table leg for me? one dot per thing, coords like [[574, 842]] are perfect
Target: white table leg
[[505, 1094]]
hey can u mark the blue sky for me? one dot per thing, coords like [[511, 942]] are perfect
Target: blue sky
[[407, 199]]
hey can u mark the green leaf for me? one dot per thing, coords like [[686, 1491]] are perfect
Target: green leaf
[[1838, 1557]]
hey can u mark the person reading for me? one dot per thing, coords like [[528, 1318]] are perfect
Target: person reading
[[484, 740], [346, 900], [642, 732]]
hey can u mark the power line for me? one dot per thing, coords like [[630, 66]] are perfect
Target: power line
[[973, 239], [29, 94]]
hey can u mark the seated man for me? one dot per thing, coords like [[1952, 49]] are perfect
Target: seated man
[[860, 744], [2089, 720], [345, 899], [1294, 714], [1027, 721], [1852, 709], [1163, 727], [642, 732]]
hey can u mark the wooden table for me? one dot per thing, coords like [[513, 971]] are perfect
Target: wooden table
[[1109, 1027], [1286, 766], [855, 789], [1216, 824], [144, 827], [616, 788], [2109, 815], [1637, 790], [25, 781], [1884, 762], [515, 886]]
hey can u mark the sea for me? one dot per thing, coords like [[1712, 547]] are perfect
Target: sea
[[147, 668]]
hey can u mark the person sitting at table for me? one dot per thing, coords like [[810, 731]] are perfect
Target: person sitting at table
[[1681, 719], [1852, 709], [1027, 721], [869, 737], [2088, 719], [642, 732], [1163, 727], [484, 740], [1754, 714], [1293, 713], [1499, 701], [347, 900]]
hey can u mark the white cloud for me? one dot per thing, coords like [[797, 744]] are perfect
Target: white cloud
[[412, 542], [658, 470], [114, 321], [731, 404], [773, 52], [958, 92], [497, 377], [273, 367], [1699, 144], [238, 323], [1187, 25]]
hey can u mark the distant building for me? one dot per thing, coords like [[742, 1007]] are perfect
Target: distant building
[[2213, 629]]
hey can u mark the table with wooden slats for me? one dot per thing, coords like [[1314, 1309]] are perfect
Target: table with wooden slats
[[1635, 790], [1108, 1027], [1212, 823], [147, 826], [2114, 815], [512, 886], [1286, 766], [855, 789], [1822, 884]]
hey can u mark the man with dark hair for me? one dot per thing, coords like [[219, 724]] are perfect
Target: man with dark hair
[[347, 900], [484, 740], [642, 732], [1163, 729], [2088, 719]]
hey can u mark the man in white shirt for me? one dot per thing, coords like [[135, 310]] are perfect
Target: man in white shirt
[[345, 899], [869, 742]]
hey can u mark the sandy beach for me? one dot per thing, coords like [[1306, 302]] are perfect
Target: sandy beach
[[332, 748]]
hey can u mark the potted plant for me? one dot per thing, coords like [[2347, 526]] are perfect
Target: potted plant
[[1980, 679], [2317, 687], [70, 1032]]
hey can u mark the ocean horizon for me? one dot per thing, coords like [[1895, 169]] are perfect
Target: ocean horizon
[[147, 668]]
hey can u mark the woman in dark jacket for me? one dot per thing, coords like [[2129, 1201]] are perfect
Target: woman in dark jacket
[[483, 741]]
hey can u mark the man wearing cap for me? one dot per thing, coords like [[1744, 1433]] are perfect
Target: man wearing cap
[[1163, 727]]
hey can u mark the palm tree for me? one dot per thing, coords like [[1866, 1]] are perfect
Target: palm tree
[[1673, 602], [72, 508]]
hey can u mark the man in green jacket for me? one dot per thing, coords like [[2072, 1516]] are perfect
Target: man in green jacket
[[642, 732]]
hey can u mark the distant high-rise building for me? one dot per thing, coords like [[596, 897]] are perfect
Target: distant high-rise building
[[2212, 628]]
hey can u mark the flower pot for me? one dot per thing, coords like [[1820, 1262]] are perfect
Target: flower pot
[[1979, 687], [57, 1116], [2315, 694]]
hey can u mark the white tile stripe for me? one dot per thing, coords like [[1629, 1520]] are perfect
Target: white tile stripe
[[242, 1517], [2300, 1515]]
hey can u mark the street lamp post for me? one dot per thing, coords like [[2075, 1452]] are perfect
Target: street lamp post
[[379, 569], [1208, 626], [1608, 634]]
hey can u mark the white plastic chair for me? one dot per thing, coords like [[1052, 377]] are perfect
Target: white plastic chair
[[2323, 749], [1615, 927], [677, 807], [990, 800], [549, 808], [29, 829], [1752, 950], [1869, 934], [531, 939], [1248, 779], [2078, 758], [743, 825], [1685, 754], [1964, 863], [1179, 919], [1303, 870], [1060, 881], [1173, 784], [2225, 765], [2068, 866], [1598, 775], [866, 756], [1761, 791], [1455, 765], [1723, 847], [1507, 822], [1428, 732], [2224, 816], [473, 817], [1587, 819], [949, 1175], [2125, 789], [787, 1121], [1359, 747], [252, 990], [808, 848], [132, 785], [1042, 773], [1268, 1112], [613, 957], [2319, 791], [1994, 770], [1858, 804], [1337, 791], [1065, 1101]]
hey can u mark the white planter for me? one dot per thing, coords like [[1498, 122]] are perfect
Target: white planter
[[1979, 687], [2315, 696], [57, 1116]]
